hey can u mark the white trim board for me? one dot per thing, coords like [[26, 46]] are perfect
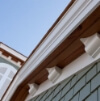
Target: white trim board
[[11, 61], [9, 50], [76, 14], [72, 18]]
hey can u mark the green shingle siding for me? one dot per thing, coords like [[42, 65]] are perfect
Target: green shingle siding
[[83, 86]]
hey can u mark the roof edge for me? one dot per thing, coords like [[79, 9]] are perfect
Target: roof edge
[[12, 51]]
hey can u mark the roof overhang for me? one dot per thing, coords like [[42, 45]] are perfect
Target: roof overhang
[[11, 55], [13, 52], [61, 47]]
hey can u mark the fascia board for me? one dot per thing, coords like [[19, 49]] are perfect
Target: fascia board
[[4, 57], [18, 55], [73, 18], [81, 9]]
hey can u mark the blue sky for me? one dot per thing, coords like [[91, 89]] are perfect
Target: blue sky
[[23, 23]]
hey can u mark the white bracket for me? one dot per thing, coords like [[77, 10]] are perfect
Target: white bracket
[[19, 63], [9, 57], [33, 88], [92, 44], [54, 73], [0, 53]]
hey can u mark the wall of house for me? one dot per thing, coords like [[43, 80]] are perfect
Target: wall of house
[[83, 86]]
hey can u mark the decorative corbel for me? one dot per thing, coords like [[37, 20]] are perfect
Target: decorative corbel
[[9, 57], [19, 63], [0, 53], [32, 88], [54, 73], [92, 44]]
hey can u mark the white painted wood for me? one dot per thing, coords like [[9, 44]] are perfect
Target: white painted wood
[[0, 53], [32, 89], [92, 45], [54, 73], [5, 81], [76, 14], [9, 50], [11, 61], [9, 57]]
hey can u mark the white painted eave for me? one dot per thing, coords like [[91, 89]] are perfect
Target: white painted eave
[[69, 22], [76, 14], [13, 62], [13, 52]]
